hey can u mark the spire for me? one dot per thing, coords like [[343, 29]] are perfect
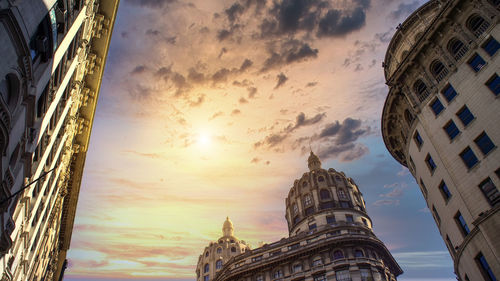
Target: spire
[[227, 228], [313, 162]]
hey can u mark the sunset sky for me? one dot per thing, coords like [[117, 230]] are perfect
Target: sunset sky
[[208, 109]]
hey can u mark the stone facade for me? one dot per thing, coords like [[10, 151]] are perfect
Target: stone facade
[[440, 120], [330, 238], [53, 55]]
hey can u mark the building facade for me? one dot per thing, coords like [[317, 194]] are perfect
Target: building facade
[[330, 238], [441, 120], [53, 56]]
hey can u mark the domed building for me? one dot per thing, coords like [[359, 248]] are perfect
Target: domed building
[[216, 254], [330, 238], [440, 119]]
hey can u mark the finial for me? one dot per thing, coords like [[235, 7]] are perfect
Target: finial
[[313, 162]]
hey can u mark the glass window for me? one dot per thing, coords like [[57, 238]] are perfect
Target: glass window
[[469, 157], [349, 218], [461, 223], [444, 190], [297, 267], [330, 219], [206, 278], [477, 25], [219, 250], [494, 84], [218, 264], [491, 46], [324, 194], [321, 179], [451, 129], [436, 215], [490, 191], [278, 273], [295, 209], [485, 267], [484, 143], [317, 262], [342, 275], [438, 70], [457, 48], [424, 188], [312, 226], [420, 90], [418, 139], [366, 274], [449, 93], [307, 200], [319, 277], [342, 194], [476, 62], [259, 278], [430, 163], [358, 253], [338, 254], [233, 249], [437, 107], [207, 268], [309, 211], [465, 115]]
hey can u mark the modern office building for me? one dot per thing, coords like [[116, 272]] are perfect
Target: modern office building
[[330, 238], [441, 120], [53, 56]]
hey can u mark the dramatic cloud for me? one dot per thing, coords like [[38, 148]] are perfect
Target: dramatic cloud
[[291, 51], [281, 79], [150, 3], [404, 9]]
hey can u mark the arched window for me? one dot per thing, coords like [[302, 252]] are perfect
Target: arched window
[[317, 262], [259, 278], [206, 254], [438, 70], [358, 253], [278, 273], [404, 54], [304, 184], [307, 200], [341, 194], [324, 194], [295, 209], [457, 48], [477, 25], [206, 268], [233, 249], [408, 117], [338, 254], [297, 267], [218, 264], [420, 90], [219, 250], [321, 179]]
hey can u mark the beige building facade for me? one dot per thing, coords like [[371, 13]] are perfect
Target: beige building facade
[[53, 56], [330, 238], [441, 120]]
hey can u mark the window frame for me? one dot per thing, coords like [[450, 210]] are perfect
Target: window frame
[[445, 191], [451, 129], [471, 156], [436, 106], [484, 143], [452, 93], [462, 224], [465, 119], [476, 62], [494, 84], [430, 163]]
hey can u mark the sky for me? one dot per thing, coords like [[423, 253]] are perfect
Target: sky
[[209, 109]]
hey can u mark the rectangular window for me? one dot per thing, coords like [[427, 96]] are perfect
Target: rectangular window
[[206, 278], [312, 226], [449, 93], [436, 215], [485, 268], [476, 62], [490, 191], [461, 223], [484, 143], [430, 163], [349, 218], [424, 188], [437, 107], [494, 84], [469, 157], [465, 115], [342, 275], [364, 221], [450, 245], [444, 190], [491, 46], [418, 139], [330, 219], [451, 129]]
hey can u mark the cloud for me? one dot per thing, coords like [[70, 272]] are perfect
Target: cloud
[[198, 101], [404, 9], [235, 112], [215, 115], [246, 65], [138, 69], [349, 131], [243, 100], [291, 51], [386, 202], [252, 91], [255, 160], [154, 4], [311, 84], [281, 80]]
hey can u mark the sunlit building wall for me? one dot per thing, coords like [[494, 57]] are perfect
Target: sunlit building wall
[[441, 120], [330, 238], [53, 55]]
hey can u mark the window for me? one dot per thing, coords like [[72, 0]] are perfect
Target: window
[[358, 253], [420, 90], [364, 221], [477, 25], [423, 188], [484, 143], [259, 278], [418, 139], [324, 194], [319, 277], [219, 250], [469, 157], [366, 274], [490, 191], [450, 245], [330, 220], [491, 46], [257, 258], [465, 115], [341, 194], [349, 218], [485, 268], [312, 226], [317, 262], [444, 191], [295, 209], [206, 278], [309, 211], [218, 264], [449, 93], [338, 254], [451, 129], [430, 163], [438, 70], [437, 107], [457, 48], [461, 223], [494, 84], [342, 275], [294, 246], [206, 268], [476, 62], [307, 200], [206, 254], [297, 267], [278, 273], [304, 184], [436, 215], [233, 249], [321, 179]]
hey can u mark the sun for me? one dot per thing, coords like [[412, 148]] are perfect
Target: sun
[[204, 140]]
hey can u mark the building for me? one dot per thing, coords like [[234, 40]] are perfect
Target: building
[[440, 119], [53, 57], [330, 238]]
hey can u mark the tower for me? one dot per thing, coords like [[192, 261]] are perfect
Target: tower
[[330, 237], [440, 119]]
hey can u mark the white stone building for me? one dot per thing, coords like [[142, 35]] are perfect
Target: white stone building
[[52, 60], [441, 120]]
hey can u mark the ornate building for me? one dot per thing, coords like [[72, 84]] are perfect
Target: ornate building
[[440, 120], [330, 238], [53, 57]]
